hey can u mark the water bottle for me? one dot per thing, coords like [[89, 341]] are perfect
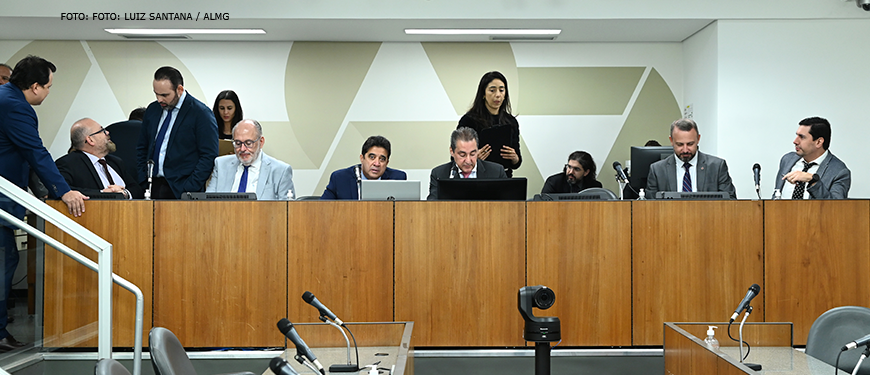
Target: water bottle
[[711, 341], [777, 195], [641, 196]]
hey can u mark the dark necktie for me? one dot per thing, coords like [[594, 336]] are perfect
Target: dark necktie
[[106, 169], [243, 182], [687, 178], [158, 143], [800, 186]]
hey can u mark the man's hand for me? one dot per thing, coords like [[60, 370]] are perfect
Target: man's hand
[[75, 201], [798, 176], [113, 189]]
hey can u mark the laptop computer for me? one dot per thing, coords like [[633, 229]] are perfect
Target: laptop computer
[[391, 190]]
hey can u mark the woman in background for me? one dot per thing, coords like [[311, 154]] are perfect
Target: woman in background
[[490, 115], [227, 112]]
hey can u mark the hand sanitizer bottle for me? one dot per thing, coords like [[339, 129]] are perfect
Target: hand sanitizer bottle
[[711, 338], [641, 196], [777, 195]]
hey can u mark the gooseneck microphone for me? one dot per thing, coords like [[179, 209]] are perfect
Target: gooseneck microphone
[[280, 367], [854, 344], [310, 299], [756, 172], [620, 174], [753, 291], [302, 349]]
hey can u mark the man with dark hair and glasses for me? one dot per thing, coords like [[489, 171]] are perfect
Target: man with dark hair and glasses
[[179, 134], [578, 175], [811, 170], [375, 155], [21, 150], [249, 169], [90, 168]]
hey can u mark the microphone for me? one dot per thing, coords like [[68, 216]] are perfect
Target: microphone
[[280, 367], [854, 344], [753, 291], [149, 170], [302, 349], [620, 175], [310, 299], [453, 170], [756, 172]]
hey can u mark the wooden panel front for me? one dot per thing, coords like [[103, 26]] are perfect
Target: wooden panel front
[[815, 252], [71, 289], [220, 272], [693, 261], [343, 253], [459, 266], [582, 251]]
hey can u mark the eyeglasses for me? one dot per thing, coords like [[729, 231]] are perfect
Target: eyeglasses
[[248, 143], [102, 130], [571, 168]]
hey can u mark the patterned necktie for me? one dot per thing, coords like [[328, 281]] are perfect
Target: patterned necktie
[[243, 182], [687, 178], [799, 187], [158, 143], [106, 169]]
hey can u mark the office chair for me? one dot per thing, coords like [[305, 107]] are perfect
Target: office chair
[[834, 329], [168, 356], [308, 198], [601, 193], [125, 135], [110, 366]]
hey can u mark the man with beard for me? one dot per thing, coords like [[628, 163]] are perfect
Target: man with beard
[[811, 170], [465, 164], [688, 169], [578, 175], [345, 183], [90, 169], [249, 169]]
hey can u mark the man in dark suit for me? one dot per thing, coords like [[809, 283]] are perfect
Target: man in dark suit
[[463, 149], [179, 134], [90, 168], [125, 135], [694, 171], [21, 150], [345, 183], [811, 170], [578, 175]]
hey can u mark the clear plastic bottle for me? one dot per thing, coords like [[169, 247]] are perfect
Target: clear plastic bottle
[[711, 338], [777, 195], [641, 196]]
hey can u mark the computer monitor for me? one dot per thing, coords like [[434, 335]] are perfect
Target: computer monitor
[[641, 159], [479, 189], [390, 190], [200, 196]]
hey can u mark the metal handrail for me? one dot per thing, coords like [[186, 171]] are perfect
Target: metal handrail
[[105, 277]]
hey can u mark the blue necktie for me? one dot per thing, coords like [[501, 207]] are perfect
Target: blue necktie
[[687, 178], [159, 142], [243, 183]]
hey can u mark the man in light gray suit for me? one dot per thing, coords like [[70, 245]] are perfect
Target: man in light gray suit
[[250, 169], [811, 170], [695, 171]]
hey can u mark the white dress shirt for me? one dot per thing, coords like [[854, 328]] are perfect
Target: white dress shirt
[[165, 144]]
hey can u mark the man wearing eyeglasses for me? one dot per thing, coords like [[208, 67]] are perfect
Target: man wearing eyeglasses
[[179, 134], [90, 168], [578, 175], [250, 170]]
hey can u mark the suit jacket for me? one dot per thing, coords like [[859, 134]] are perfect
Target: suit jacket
[[78, 171], [343, 183], [711, 172], [276, 177], [21, 149], [125, 134], [485, 169], [835, 180], [192, 147]]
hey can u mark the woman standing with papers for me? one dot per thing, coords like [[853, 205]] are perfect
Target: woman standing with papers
[[490, 115]]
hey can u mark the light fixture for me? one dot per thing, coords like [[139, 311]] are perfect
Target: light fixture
[[483, 31], [183, 31]]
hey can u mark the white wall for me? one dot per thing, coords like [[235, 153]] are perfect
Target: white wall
[[701, 77], [772, 74]]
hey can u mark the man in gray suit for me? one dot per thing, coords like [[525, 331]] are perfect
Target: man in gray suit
[[463, 149], [811, 171], [250, 169], [695, 171]]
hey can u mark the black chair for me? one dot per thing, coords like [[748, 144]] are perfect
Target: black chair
[[600, 193], [125, 135], [168, 356], [834, 329], [110, 366]]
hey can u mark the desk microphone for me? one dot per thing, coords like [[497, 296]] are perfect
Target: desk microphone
[[854, 344], [756, 172], [310, 299], [753, 291], [149, 170], [620, 174], [280, 367], [302, 349]]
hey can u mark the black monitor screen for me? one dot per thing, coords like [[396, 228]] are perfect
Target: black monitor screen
[[641, 159], [478, 189]]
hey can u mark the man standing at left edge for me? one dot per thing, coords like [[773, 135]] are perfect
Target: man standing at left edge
[[21, 150]]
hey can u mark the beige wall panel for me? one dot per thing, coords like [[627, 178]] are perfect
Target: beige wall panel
[[578, 90]]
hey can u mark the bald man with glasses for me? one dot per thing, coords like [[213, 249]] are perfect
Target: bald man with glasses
[[249, 169]]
